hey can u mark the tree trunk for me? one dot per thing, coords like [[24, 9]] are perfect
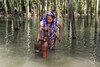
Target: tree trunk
[[97, 6], [46, 6], [5, 6], [85, 7], [72, 18], [58, 9], [11, 4], [27, 8], [20, 7]]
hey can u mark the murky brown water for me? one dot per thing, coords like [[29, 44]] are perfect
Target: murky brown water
[[16, 47]]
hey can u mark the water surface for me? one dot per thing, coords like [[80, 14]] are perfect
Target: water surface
[[18, 36]]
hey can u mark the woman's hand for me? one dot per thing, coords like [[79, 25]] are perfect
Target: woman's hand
[[60, 37]]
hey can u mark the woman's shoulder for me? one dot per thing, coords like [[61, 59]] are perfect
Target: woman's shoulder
[[41, 23]]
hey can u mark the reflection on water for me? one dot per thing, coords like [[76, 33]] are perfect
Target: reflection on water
[[17, 42]]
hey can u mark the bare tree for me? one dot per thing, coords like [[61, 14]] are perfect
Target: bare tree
[[5, 6], [72, 18], [27, 8], [97, 6]]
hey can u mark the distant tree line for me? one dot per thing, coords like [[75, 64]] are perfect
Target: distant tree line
[[40, 7]]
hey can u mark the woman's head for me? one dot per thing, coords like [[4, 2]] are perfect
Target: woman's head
[[49, 19], [50, 16]]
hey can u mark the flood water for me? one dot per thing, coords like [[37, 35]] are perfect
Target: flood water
[[17, 44]]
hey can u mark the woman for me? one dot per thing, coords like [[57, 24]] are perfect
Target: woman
[[47, 33]]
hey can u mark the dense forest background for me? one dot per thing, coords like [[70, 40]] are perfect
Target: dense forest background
[[40, 7]]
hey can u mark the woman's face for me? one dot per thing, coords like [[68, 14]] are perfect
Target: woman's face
[[49, 19]]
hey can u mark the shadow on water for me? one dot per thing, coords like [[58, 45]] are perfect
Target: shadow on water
[[17, 38]]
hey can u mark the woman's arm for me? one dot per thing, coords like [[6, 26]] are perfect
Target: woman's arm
[[40, 30], [39, 33], [60, 31]]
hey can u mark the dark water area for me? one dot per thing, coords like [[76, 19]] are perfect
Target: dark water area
[[18, 36]]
